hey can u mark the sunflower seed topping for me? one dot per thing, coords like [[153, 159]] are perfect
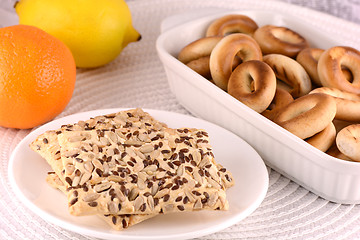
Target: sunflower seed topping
[[134, 164]]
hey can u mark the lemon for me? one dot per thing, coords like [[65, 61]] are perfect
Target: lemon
[[96, 31]]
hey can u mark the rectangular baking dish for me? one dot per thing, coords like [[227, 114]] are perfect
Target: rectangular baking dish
[[331, 178]]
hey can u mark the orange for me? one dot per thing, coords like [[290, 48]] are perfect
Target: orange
[[37, 76]]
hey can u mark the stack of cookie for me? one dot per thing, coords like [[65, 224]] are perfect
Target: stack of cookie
[[128, 167]]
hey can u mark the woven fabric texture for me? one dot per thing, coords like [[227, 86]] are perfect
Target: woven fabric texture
[[137, 79]]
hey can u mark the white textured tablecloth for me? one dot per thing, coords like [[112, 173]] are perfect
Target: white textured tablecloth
[[137, 79]]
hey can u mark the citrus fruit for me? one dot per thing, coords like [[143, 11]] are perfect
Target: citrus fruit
[[96, 31], [37, 76]]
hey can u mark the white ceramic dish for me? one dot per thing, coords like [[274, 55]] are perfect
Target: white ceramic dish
[[27, 172], [331, 178]]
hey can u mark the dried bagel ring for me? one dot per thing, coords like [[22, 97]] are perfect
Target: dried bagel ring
[[291, 72], [340, 124], [324, 139], [347, 104], [280, 100], [233, 23], [199, 48], [334, 152], [201, 66], [308, 58], [196, 55], [254, 84], [223, 55], [347, 74], [281, 40], [307, 115], [331, 64], [347, 141]]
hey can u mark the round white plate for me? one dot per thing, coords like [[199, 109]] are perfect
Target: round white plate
[[27, 172]]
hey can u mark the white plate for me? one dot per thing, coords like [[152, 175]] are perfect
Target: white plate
[[27, 172]]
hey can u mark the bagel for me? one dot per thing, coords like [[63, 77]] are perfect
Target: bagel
[[308, 58], [339, 124], [291, 72], [223, 54], [347, 141], [334, 152], [197, 49], [280, 100], [331, 65], [347, 74], [307, 115], [201, 66], [196, 55], [324, 139], [347, 104], [233, 23], [253, 83], [280, 40]]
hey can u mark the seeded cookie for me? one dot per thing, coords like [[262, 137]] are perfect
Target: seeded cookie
[[48, 147], [142, 171], [126, 125], [132, 118], [117, 222]]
